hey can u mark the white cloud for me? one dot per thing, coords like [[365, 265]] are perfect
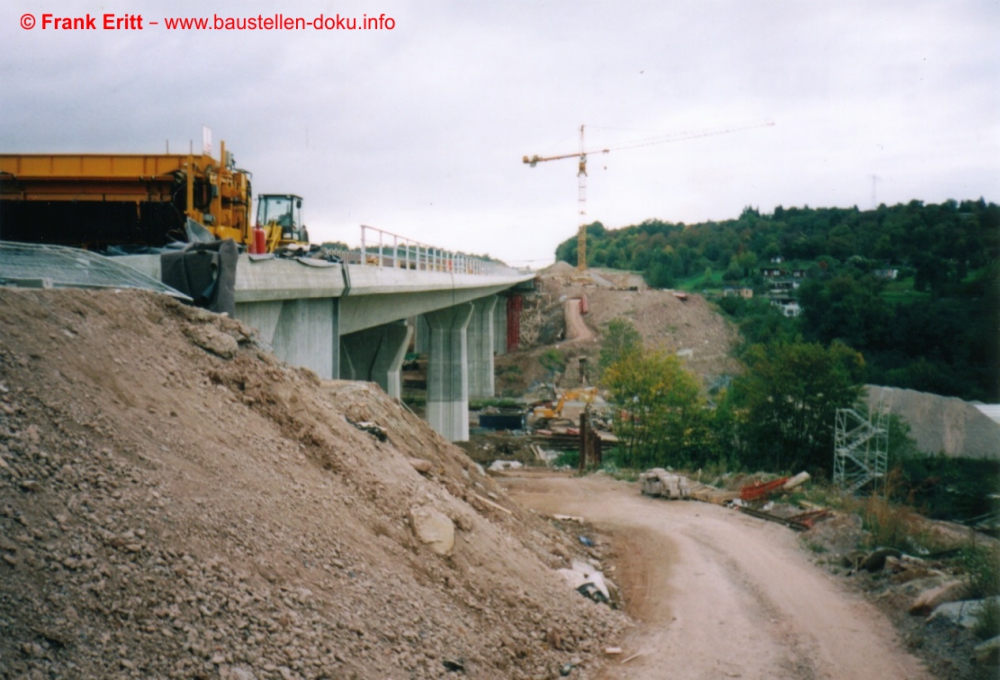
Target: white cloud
[[420, 130]]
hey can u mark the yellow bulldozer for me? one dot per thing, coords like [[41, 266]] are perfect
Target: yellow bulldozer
[[100, 200]]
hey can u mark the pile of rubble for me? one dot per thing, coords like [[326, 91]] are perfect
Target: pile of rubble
[[929, 596], [176, 503]]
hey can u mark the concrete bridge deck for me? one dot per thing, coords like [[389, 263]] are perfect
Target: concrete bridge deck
[[349, 321]]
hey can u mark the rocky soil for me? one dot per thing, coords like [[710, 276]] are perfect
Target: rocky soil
[[176, 503], [691, 328]]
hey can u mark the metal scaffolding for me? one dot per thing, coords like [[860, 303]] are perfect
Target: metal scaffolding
[[861, 447]]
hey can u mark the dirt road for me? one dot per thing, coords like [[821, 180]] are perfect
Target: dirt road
[[577, 329], [723, 595]]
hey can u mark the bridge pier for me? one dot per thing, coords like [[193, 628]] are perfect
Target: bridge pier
[[500, 326], [480, 340], [421, 334], [447, 371], [376, 355]]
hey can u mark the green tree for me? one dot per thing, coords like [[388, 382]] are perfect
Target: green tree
[[661, 418], [846, 308], [620, 339], [787, 402], [734, 272]]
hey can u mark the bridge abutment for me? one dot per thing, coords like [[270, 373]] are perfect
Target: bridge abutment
[[302, 332]]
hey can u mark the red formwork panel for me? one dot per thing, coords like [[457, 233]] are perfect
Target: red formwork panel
[[759, 490], [513, 322]]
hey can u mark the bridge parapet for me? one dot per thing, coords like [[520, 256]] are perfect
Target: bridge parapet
[[384, 249]]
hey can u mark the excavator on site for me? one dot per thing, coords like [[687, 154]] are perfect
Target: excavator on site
[[100, 201], [582, 394]]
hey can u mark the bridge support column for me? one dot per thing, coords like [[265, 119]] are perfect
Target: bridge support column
[[447, 372], [376, 355], [421, 335], [500, 326], [303, 332], [480, 339]]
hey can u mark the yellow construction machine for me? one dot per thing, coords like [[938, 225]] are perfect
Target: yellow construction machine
[[101, 200], [280, 216], [582, 394]]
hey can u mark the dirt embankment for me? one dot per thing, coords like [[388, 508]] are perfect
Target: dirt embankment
[[174, 502], [689, 327]]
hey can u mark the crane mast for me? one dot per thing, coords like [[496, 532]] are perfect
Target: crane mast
[[581, 242], [581, 202]]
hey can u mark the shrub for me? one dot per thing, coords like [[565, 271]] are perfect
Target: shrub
[[982, 564], [890, 525], [988, 622], [567, 458], [553, 360], [620, 339]]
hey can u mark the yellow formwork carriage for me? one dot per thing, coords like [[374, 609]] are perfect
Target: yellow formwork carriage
[[217, 195]]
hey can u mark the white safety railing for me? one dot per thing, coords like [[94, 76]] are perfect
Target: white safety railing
[[380, 248]]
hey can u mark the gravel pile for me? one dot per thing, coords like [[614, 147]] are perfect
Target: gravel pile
[[176, 503], [939, 424]]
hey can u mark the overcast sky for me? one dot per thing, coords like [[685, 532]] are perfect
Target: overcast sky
[[420, 130]]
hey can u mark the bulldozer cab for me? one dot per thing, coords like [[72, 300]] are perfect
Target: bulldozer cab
[[283, 211]]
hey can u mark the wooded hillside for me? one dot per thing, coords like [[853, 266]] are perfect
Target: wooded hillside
[[914, 287]]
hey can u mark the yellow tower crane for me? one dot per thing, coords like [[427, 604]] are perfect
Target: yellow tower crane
[[581, 247]]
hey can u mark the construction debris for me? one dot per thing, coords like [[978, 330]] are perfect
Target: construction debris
[[761, 490], [376, 431], [797, 480], [660, 483], [501, 465], [589, 582], [802, 522], [495, 506]]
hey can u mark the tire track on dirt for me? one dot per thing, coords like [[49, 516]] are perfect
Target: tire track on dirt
[[719, 594]]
